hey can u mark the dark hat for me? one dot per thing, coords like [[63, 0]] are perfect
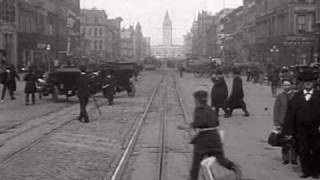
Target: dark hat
[[219, 71], [236, 71], [307, 74], [200, 95], [83, 68]]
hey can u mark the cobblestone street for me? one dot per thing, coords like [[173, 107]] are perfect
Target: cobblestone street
[[91, 151]]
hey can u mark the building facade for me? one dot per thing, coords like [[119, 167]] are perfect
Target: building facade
[[167, 49], [134, 46], [97, 35], [8, 31], [285, 31], [48, 30]]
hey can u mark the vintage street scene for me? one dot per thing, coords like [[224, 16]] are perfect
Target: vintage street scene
[[166, 90]]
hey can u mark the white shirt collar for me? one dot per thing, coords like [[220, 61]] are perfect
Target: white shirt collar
[[305, 91]]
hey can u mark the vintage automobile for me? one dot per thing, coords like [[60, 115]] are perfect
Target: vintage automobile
[[60, 82], [123, 73]]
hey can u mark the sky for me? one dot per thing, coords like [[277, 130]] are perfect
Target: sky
[[150, 13]]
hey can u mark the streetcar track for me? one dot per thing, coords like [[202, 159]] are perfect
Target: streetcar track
[[15, 154], [161, 150], [124, 159]]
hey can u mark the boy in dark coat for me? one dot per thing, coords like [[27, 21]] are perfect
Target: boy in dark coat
[[82, 86], [303, 124], [208, 141], [235, 99], [280, 110], [31, 86], [219, 93]]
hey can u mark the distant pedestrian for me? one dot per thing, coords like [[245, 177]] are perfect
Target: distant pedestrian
[[219, 93], [274, 79], [235, 100], [109, 87], [280, 110], [303, 124], [181, 70], [31, 85], [82, 86], [208, 141], [9, 82]]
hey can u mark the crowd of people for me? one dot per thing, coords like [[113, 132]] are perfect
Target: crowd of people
[[296, 116]]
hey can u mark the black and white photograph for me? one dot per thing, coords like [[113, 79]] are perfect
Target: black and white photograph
[[159, 89]]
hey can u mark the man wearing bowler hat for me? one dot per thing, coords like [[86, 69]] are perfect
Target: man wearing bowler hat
[[303, 124]]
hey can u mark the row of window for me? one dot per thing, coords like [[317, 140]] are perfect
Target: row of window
[[280, 25], [95, 44], [7, 10], [90, 31]]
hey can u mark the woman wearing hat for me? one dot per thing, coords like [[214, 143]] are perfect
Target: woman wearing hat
[[208, 141], [219, 92], [235, 100]]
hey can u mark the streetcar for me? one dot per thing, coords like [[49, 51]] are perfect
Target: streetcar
[[151, 63]]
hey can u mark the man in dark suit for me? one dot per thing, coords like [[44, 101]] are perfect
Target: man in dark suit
[[82, 87], [235, 100], [303, 122]]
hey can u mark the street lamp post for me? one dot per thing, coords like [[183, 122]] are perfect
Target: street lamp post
[[274, 50], [48, 48]]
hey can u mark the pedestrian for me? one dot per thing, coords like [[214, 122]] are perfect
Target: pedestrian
[[280, 109], [9, 82], [303, 124], [235, 100], [219, 92], [208, 141], [82, 87], [181, 70], [30, 86], [109, 87], [274, 79]]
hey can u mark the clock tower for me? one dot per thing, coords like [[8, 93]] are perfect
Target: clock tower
[[167, 30]]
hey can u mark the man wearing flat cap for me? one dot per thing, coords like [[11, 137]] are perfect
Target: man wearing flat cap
[[208, 141], [303, 124]]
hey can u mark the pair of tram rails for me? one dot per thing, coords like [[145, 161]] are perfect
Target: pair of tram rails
[[124, 160]]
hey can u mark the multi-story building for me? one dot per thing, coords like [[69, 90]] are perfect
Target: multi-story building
[[233, 35], [114, 25], [207, 33], [285, 31], [249, 30], [47, 30], [97, 34], [8, 31], [127, 44], [201, 43]]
